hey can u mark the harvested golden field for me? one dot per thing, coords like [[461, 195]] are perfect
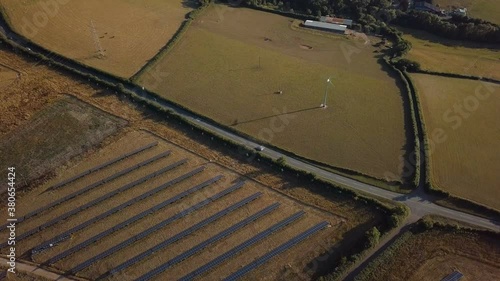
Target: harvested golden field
[[442, 55], [484, 9], [232, 62], [461, 119], [129, 32], [435, 253]]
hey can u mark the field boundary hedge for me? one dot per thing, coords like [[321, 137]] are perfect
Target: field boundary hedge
[[280, 12], [172, 42], [456, 75], [415, 142], [453, 201]]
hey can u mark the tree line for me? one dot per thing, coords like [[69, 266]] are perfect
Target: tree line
[[375, 15]]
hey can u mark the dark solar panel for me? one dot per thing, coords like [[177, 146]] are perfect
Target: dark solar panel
[[276, 251], [155, 228], [132, 220], [181, 235], [231, 253]]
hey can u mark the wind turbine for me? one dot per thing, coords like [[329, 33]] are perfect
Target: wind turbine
[[328, 81]]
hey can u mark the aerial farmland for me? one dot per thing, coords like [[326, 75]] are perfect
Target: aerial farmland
[[244, 58], [119, 43], [249, 140]]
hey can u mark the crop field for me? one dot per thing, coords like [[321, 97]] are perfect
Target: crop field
[[232, 62], [443, 55], [175, 200], [129, 32], [55, 134], [436, 253], [483, 9], [461, 119]]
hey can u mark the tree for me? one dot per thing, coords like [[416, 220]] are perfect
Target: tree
[[373, 237]]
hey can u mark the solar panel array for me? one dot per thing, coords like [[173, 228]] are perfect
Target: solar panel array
[[98, 200], [181, 235], [206, 243], [229, 254], [454, 276], [88, 188], [155, 228], [132, 220], [67, 234], [102, 166], [276, 251]]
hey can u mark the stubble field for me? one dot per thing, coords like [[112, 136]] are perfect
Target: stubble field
[[461, 118], [232, 62], [129, 32], [443, 55]]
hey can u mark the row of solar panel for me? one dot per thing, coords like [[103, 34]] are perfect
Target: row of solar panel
[[88, 188], [181, 235], [206, 243], [454, 276], [154, 228], [255, 239], [98, 200], [276, 251], [132, 220], [66, 234], [102, 166]]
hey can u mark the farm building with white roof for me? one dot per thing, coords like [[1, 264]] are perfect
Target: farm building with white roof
[[339, 28]]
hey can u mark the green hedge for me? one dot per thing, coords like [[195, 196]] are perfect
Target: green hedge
[[172, 42], [456, 75]]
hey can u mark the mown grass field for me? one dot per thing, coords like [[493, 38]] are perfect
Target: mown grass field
[[442, 55], [231, 62], [484, 9], [130, 32], [461, 118], [435, 253]]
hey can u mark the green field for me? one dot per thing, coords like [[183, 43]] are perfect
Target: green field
[[461, 118], [484, 9], [231, 63], [442, 55]]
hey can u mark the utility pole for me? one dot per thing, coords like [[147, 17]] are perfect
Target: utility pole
[[97, 42]]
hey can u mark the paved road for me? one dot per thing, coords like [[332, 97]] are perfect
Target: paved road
[[419, 202]]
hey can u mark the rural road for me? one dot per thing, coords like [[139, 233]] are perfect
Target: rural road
[[419, 202]]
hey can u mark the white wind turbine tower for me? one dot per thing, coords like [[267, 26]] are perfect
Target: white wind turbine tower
[[328, 82]]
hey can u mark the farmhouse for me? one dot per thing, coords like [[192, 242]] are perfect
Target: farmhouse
[[328, 19], [339, 28]]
